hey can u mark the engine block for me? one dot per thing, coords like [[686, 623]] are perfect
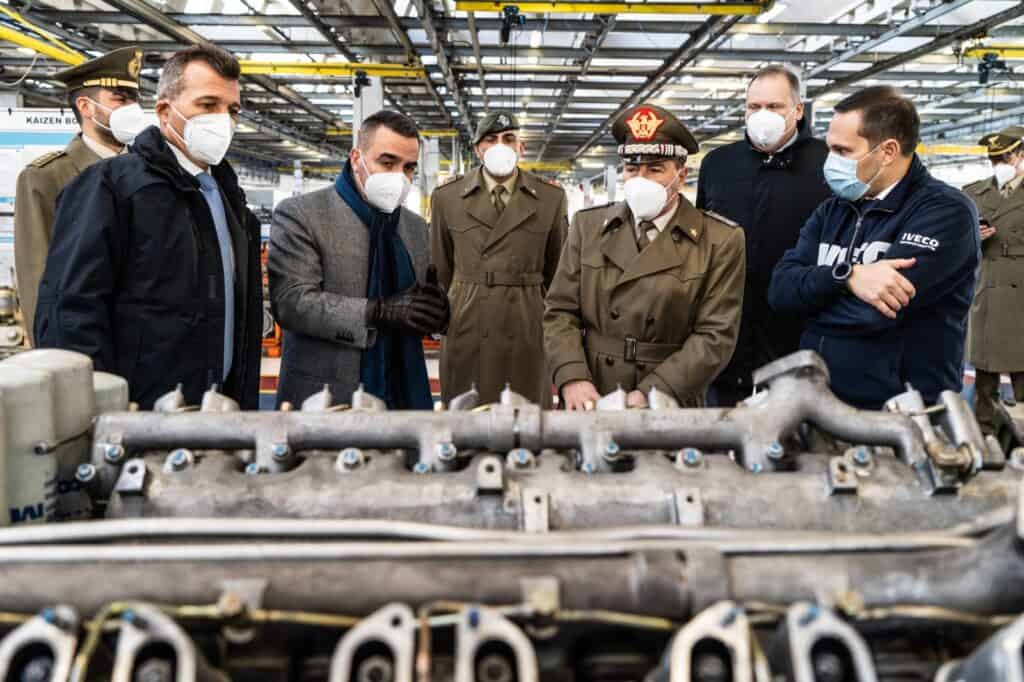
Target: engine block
[[789, 538]]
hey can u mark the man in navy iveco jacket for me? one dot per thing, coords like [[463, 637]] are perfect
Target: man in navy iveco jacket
[[884, 270]]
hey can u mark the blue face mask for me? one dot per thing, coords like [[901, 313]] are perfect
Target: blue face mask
[[841, 176]]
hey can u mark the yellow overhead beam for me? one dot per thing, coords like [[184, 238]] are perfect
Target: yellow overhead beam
[[331, 69], [52, 51], [952, 149], [748, 8], [1004, 51]]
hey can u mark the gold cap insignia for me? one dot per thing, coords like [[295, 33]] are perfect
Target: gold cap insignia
[[135, 65], [644, 124]]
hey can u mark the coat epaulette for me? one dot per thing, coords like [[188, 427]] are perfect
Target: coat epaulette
[[594, 208], [46, 158], [449, 181], [721, 218]]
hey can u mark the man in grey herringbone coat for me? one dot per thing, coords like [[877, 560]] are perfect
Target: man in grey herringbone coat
[[340, 327]]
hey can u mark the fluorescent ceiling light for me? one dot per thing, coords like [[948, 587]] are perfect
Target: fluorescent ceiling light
[[536, 39], [775, 11]]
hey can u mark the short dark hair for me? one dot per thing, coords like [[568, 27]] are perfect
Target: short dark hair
[[392, 120], [885, 114], [779, 70], [91, 92], [221, 61]]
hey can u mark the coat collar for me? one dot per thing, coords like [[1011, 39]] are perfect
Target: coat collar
[[618, 241], [522, 205]]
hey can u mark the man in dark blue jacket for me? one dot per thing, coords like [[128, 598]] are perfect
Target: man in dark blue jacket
[[885, 270], [154, 267]]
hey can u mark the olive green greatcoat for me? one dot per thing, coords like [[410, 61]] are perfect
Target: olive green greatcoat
[[996, 339], [496, 269], [35, 204], [666, 317]]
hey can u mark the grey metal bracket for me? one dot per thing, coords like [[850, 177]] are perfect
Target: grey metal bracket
[[478, 626], [57, 628], [841, 478], [394, 626], [724, 625], [535, 510], [490, 476], [808, 624], [689, 507], [143, 625]]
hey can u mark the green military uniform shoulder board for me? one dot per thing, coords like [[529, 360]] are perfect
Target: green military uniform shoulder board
[[46, 158], [721, 218]]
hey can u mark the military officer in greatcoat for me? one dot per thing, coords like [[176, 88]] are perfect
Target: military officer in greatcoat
[[495, 237], [996, 339], [103, 94], [648, 292]]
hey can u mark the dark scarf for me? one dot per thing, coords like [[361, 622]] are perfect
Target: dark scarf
[[393, 369]]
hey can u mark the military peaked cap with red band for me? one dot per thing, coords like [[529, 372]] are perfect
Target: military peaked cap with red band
[[647, 132]]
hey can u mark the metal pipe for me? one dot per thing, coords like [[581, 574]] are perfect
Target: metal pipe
[[311, 529]]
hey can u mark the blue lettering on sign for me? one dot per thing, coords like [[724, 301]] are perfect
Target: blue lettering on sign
[[32, 512]]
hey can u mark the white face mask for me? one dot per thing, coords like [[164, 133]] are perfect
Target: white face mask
[[126, 122], [1004, 173], [207, 136], [385, 191], [646, 198], [766, 128], [500, 160]]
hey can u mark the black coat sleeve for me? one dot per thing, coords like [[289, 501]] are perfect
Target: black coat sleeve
[[77, 291]]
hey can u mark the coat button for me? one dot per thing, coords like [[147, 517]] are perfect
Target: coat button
[[650, 321], [640, 367], [614, 313], [609, 361]]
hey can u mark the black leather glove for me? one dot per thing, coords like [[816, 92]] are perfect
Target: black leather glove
[[415, 310], [434, 290]]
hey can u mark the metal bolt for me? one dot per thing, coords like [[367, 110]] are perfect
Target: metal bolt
[[810, 615], [446, 452], [587, 468], [280, 451], [85, 473], [611, 449], [730, 616], [178, 459], [756, 468], [421, 468], [37, 670], [521, 458], [351, 458], [861, 456], [135, 619], [775, 451], [113, 453], [253, 469], [692, 457]]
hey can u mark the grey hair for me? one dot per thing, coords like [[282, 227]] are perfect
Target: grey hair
[[779, 70], [172, 77]]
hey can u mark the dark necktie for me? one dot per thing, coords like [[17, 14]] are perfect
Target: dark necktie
[[648, 233], [499, 197]]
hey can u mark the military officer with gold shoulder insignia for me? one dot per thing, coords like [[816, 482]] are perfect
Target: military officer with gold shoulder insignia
[[495, 237], [103, 94], [996, 339], [648, 292]]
